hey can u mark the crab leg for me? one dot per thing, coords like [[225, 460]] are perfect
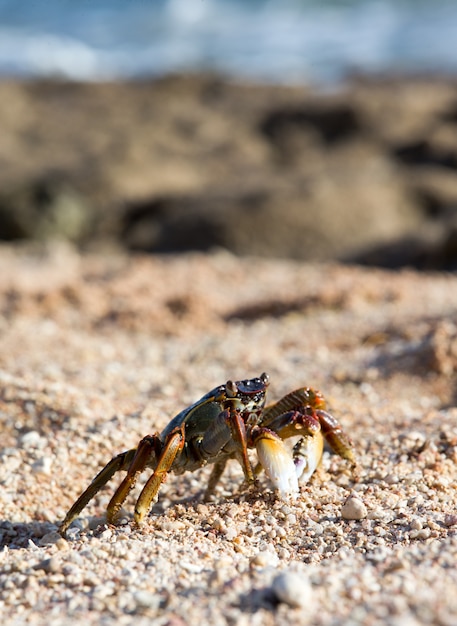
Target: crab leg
[[147, 449], [238, 430], [228, 427], [335, 436], [148, 495], [293, 401], [119, 462], [216, 473]]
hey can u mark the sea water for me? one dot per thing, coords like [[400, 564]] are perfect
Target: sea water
[[273, 40]]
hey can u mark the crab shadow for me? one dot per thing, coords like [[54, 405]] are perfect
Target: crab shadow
[[258, 598], [17, 535]]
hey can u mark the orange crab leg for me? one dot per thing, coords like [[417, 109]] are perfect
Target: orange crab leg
[[293, 401], [119, 462], [144, 453], [172, 448], [238, 430], [335, 436]]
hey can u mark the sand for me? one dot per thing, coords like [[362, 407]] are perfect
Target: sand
[[98, 351]]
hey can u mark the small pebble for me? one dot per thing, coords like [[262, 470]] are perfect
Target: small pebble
[[147, 600], [50, 566], [293, 589], [354, 509], [50, 538], [391, 479], [231, 533], [264, 558], [424, 533], [31, 439], [416, 524], [106, 534], [42, 466]]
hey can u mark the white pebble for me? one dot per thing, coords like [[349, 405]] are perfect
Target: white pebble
[[293, 589], [42, 466], [50, 565], [147, 600], [231, 533], [416, 524], [264, 558], [354, 508], [32, 439]]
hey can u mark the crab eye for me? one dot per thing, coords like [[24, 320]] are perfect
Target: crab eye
[[265, 378], [231, 389]]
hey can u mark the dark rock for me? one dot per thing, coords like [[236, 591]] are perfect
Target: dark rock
[[44, 209], [423, 152], [333, 122], [197, 162]]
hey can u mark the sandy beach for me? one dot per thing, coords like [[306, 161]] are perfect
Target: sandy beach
[[97, 351]]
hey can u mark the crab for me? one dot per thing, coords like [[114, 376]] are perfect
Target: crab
[[224, 424]]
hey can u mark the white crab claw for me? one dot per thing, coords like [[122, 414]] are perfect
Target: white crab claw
[[307, 456], [278, 464]]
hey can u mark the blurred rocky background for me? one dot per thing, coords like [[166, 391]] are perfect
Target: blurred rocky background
[[133, 152]]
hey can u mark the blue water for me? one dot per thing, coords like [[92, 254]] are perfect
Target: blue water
[[275, 40]]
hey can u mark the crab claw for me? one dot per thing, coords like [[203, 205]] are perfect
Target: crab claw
[[307, 456], [277, 462]]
